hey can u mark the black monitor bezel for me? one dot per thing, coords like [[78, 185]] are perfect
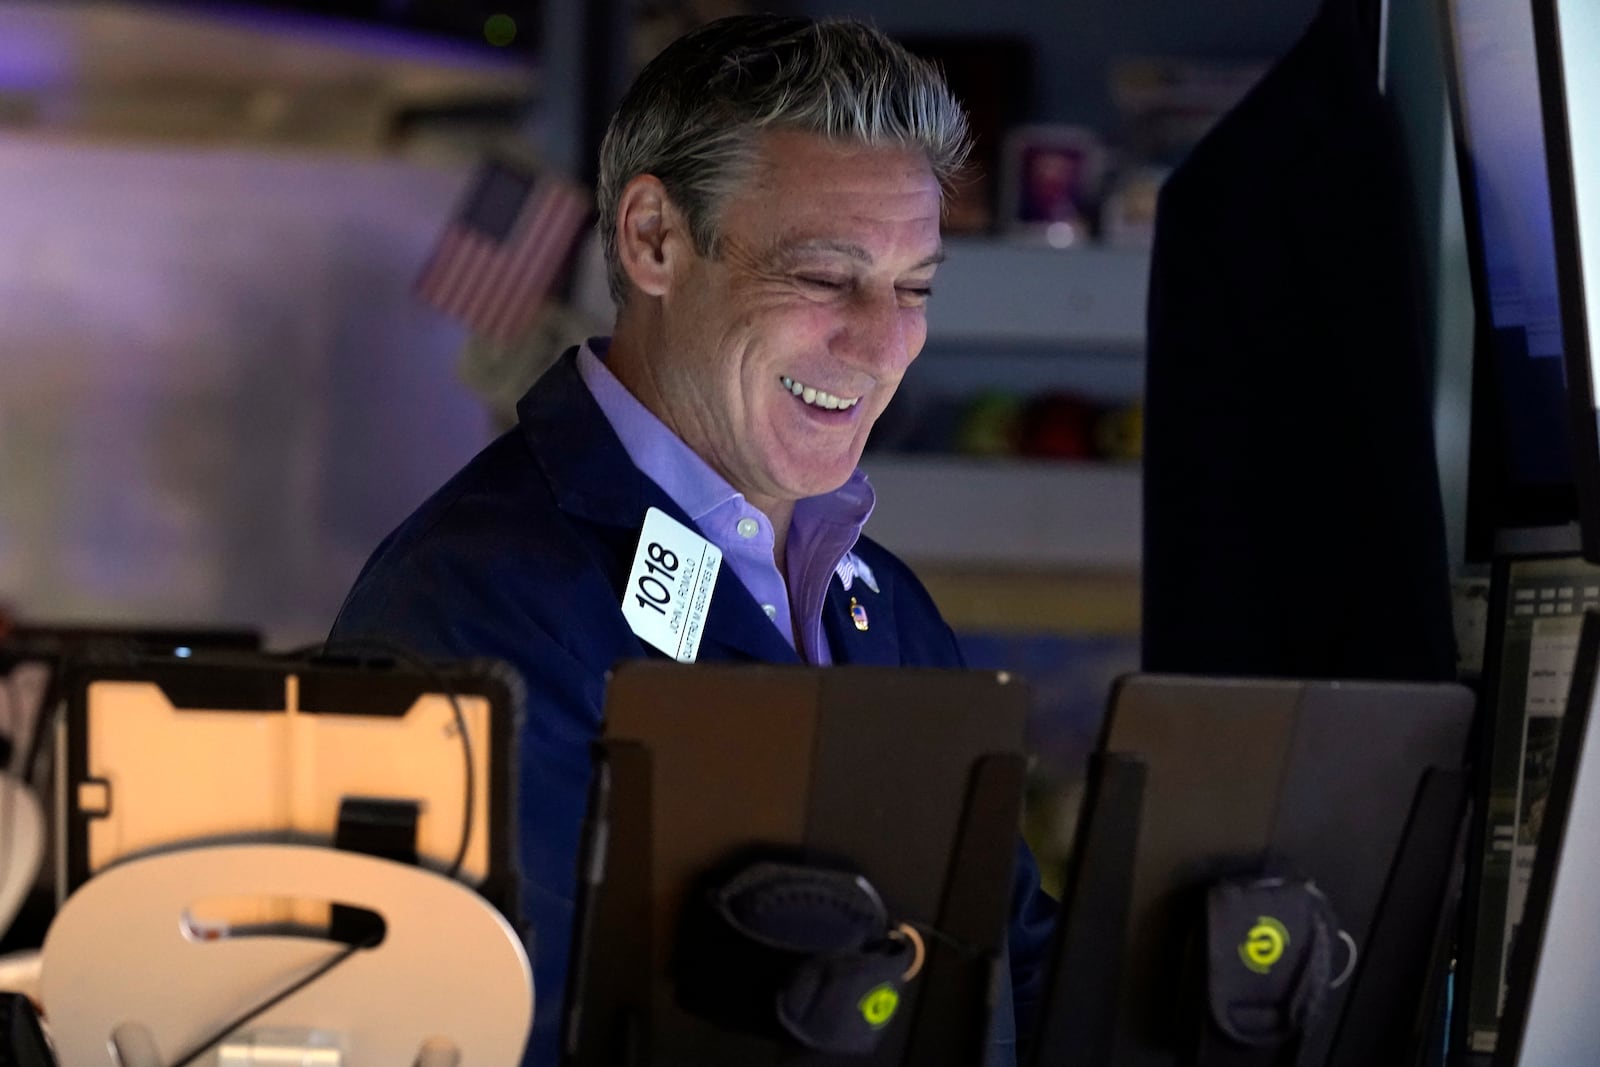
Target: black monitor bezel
[[1468, 936]]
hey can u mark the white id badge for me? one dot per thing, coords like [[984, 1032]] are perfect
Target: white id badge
[[669, 586]]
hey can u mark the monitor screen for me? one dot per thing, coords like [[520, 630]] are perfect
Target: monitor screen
[[1555, 976], [1521, 464], [1565, 35], [1536, 607]]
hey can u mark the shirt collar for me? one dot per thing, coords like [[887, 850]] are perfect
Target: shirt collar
[[699, 490], [659, 453]]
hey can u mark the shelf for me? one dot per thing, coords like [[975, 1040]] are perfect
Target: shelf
[[1007, 292], [1007, 512]]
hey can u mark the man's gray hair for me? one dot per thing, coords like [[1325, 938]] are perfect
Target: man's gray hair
[[694, 115]]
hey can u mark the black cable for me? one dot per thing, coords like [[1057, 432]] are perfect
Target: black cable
[[209, 1042], [440, 683], [965, 948]]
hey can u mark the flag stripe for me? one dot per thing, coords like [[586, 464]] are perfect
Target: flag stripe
[[515, 284], [497, 287], [499, 295], [536, 268], [562, 220]]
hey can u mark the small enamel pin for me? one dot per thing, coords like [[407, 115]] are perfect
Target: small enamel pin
[[858, 613]]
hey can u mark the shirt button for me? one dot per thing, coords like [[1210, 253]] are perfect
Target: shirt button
[[748, 528], [771, 610]]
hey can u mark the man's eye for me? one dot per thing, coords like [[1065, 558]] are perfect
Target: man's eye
[[915, 295], [820, 281]]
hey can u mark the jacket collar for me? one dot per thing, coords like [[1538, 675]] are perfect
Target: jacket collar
[[589, 471]]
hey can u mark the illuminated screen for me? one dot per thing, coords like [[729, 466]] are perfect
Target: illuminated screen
[[1506, 196], [1566, 34]]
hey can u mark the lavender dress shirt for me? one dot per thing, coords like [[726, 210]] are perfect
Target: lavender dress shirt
[[821, 534]]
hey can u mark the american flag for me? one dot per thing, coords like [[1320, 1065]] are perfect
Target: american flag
[[498, 257]]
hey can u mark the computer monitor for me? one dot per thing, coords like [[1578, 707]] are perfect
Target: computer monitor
[[1565, 35], [1554, 984], [1537, 600], [911, 778], [167, 753], [1357, 786], [1520, 470]]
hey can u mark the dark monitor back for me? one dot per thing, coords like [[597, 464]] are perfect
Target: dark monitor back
[[1321, 775], [880, 768], [1554, 980]]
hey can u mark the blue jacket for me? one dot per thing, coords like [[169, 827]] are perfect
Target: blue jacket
[[523, 557]]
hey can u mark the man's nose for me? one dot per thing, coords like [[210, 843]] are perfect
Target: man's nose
[[880, 336]]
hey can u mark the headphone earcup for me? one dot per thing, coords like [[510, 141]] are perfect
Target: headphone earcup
[[842, 1004]]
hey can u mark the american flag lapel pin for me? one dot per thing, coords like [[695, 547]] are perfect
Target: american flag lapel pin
[[858, 614]]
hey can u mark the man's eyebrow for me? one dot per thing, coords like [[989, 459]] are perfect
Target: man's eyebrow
[[845, 248]]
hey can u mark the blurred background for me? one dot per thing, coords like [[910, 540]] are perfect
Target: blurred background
[[218, 389]]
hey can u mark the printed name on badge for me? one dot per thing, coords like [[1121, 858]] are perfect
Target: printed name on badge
[[669, 586]]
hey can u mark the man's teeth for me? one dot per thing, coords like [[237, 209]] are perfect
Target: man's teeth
[[816, 397]]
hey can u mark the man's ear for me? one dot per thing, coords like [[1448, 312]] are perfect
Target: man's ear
[[652, 235]]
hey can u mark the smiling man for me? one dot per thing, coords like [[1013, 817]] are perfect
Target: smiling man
[[770, 196], [773, 358]]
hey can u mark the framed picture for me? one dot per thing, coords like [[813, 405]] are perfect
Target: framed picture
[[1051, 184]]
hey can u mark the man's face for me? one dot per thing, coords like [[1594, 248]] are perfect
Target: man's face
[[782, 351]]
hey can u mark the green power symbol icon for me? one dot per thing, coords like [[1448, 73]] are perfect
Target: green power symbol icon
[[1263, 946], [879, 1005]]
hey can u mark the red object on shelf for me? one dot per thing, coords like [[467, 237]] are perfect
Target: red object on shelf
[[1059, 426]]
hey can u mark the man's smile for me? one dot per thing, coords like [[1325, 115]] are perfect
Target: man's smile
[[816, 397]]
